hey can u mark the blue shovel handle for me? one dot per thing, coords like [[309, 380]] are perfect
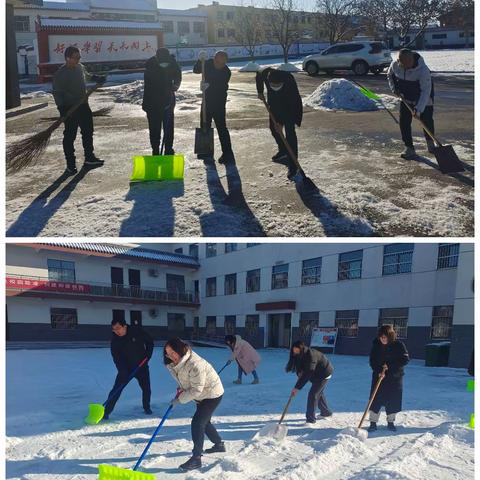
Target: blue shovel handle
[[121, 387], [223, 368]]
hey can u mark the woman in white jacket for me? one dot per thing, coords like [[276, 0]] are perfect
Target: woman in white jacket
[[198, 381]]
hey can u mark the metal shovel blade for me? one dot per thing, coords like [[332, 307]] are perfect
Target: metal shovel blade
[[109, 472], [447, 159], [359, 433], [273, 430], [96, 411], [204, 141]]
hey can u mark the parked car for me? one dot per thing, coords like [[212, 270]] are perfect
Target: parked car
[[361, 57]]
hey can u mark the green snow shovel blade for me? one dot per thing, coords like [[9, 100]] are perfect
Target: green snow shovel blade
[[95, 413], [109, 472]]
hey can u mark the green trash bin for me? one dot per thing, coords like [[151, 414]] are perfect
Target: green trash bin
[[436, 354]]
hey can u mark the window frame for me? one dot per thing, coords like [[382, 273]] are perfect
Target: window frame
[[397, 256], [248, 288], [345, 329], [349, 262], [317, 274], [227, 290], [393, 320], [278, 273], [209, 281], [63, 323], [436, 317]]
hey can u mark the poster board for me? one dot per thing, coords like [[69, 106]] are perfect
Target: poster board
[[324, 337]]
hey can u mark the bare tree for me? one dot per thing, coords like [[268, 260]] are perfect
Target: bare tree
[[338, 18], [248, 28], [284, 24]]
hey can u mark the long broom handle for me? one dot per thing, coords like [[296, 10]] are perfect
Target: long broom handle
[[282, 136], [121, 387], [286, 408], [167, 413], [430, 134], [223, 368], [377, 386], [204, 109]]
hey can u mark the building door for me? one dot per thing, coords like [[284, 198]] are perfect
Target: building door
[[176, 324], [118, 315], [136, 318], [279, 330], [134, 281], [116, 278]]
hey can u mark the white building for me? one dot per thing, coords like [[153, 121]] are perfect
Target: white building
[[271, 294], [183, 27], [437, 38]]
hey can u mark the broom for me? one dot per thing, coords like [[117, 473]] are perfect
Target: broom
[[102, 112], [26, 152]]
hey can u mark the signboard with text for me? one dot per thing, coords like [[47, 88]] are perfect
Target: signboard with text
[[46, 285], [324, 337]]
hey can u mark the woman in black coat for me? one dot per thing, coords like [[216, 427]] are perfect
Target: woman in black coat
[[313, 366], [388, 351]]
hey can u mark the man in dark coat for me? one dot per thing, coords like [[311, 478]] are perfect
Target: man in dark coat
[[313, 366], [217, 76], [388, 351], [129, 346], [162, 79], [285, 102]]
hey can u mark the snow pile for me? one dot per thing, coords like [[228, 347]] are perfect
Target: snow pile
[[35, 94], [288, 67], [340, 94], [250, 67]]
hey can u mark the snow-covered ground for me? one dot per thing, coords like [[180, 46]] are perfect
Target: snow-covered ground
[[48, 393]]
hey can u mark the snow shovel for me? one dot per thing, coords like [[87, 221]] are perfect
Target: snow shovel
[[109, 472], [97, 411], [276, 431], [300, 175], [447, 159], [204, 135], [358, 432]]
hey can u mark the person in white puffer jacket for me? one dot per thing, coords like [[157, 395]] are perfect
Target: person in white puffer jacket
[[410, 77], [197, 380]]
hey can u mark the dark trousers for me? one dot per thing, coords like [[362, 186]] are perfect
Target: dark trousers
[[157, 118], [406, 123], [317, 397], [202, 426], [143, 379], [218, 114], [291, 136], [83, 118], [241, 372]]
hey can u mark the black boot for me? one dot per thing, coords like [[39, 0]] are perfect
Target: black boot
[[93, 161], [148, 410], [391, 426], [192, 464], [226, 158], [217, 447], [372, 427]]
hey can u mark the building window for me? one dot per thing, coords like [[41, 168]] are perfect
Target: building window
[[198, 27], [167, 26], [211, 287], [211, 250], [347, 323], [231, 284], [442, 318], [118, 316], [231, 32], [183, 28], [308, 321], [250, 245], [252, 324], [447, 255], [397, 258], [221, 33], [230, 247], [397, 317], [211, 327], [350, 265], [220, 16], [61, 270], [438, 36], [230, 15], [179, 250], [175, 283], [176, 322], [230, 324], [253, 281], [63, 318], [311, 271], [22, 23], [193, 250], [280, 276]]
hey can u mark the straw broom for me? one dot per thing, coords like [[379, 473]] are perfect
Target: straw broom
[[102, 112], [26, 152]]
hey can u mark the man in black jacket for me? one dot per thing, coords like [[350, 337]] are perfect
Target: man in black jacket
[[162, 79], [217, 76], [285, 103], [313, 366], [129, 346]]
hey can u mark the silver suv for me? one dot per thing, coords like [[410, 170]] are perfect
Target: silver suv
[[361, 57]]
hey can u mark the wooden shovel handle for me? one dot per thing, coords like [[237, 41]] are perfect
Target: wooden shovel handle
[[282, 136], [78, 104], [286, 408], [430, 134], [381, 376]]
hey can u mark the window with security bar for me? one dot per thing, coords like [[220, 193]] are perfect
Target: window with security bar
[[311, 271], [397, 317], [280, 276], [253, 281], [211, 326], [231, 284], [442, 319], [252, 324], [397, 258], [193, 250], [211, 287], [61, 270], [230, 247], [347, 323], [63, 318], [176, 322], [210, 250], [308, 321], [230, 324], [447, 255], [350, 265]]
